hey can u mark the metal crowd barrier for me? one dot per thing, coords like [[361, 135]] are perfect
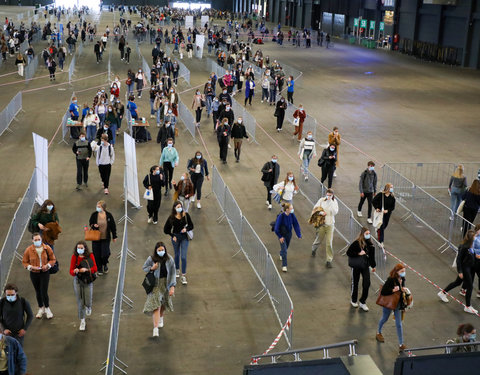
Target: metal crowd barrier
[[31, 68], [71, 68], [10, 112], [65, 128], [187, 119], [16, 230], [146, 68], [184, 72], [257, 255]]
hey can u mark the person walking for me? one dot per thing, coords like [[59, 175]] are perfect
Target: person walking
[[105, 159], [280, 109], [223, 137], [307, 151], [335, 139], [38, 259], [270, 173], [384, 201], [184, 191], [52, 67], [198, 171], [15, 313], [265, 87], [90, 123], [238, 133], [327, 163], [14, 360], [466, 268], [111, 121], [286, 220], [368, 188], [198, 104], [168, 161], [103, 221], [178, 226], [395, 284], [361, 256], [249, 90], [130, 82], [299, 117], [20, 63], [287, 188], [328, 207], [471, 205], [83, 268], [160, 298], [46, 220], [457, 187], [141, 82], [83, 152], [154, 182], [290, 89]]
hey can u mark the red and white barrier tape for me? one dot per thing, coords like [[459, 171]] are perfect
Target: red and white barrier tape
[[287, 325]]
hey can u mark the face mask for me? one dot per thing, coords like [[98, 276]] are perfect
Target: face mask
[[37, 243], [309, 136], [14, 298], [282, 100], [171, 90], [402, 274], [74, 101], [118, 101], [109, 110], [198, 92], [179, 209], [99, 209], [139, 71], [391, 190], [91, 112], [332, 148], [82, 138], [367, 236], [274, 161], [103, 101], [105, 127], [473, 336], [50, 207], [198, 156], [157, 172], [182, 178], [240, 121], [103, 91], [371, 168], [169, 111], [161, 253], [225, 92], [292, 210], [80, 251], [228, 108], [329, 197], [116, 79], [290, 178], [170, 145]]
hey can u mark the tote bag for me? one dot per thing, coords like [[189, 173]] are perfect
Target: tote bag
[[378, 216], [148, 195]]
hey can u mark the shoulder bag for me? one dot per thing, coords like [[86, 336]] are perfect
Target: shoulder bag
[[189, 232], [296, 121], [460, 208], [378, 216], [86, 277], [148, 195], [55, 268], [92, 235], [389, 302], [149, 282]]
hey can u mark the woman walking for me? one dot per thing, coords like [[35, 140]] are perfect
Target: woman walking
[[471, 205], [249, 90], [168, 161], [465, 269], [198, 104], [394, 285], [299, 116], [287, 188], [283, 229], [177, 226], [384, 201], [46, 220], [20, 63], [361, 256], [270, 173], [103, 221], [184, 191], [280, 109], [39, 258], [105, 159], [198, 171], [141, 81], [154, 182], [130, 82], [238, 133], [457, 187], [307, 151], [52, 66], [335, 139], [160, 298], [327, 162], [83, 269], [290, 89]]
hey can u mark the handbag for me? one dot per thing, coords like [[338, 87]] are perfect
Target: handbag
[[296, 121], [128, 81], [55, 268], [86, 277], [149, 282], [278, 196], [358, 262], [460, 207], [148, 195], [189, 232], [378, 216], [389, 302], [92, 235]]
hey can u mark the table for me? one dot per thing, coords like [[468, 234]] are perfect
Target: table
[[140, 132]]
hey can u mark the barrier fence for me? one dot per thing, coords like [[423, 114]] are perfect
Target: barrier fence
[[71, 68], [187, 119], [16, 230], [184, 72], [65, 128], [258, 256], [10, 112], [146, 69], [31, 68]]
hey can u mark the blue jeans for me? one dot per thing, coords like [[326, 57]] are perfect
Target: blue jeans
[[305, 162], [284, 247], [273, 95], [91, 132], [398, 322], [152, 111], [264, 94], [101, 117], [130, 88], [181, 247], [113, 128], [209, 100], [455, 198]]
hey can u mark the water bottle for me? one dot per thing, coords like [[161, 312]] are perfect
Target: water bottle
[[85, 228]]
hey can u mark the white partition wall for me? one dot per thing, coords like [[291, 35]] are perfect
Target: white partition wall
[[133, 195], [40, 145]]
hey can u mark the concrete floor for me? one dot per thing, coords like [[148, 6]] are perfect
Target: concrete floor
[[405, 110]]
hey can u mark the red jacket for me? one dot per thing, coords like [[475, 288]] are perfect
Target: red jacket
[[76, 260], [115, 92], [300, 114]]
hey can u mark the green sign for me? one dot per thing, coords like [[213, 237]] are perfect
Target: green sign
[[372, 25], [382, 26], [363, 23], [355, 22]]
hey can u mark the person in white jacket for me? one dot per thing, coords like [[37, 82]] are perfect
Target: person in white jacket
[[287, 188], [329, 206], [105, 159], [307, 151]]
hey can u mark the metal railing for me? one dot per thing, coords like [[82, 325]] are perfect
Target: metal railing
[[323, 348], [447, 347], [187, 118], [31, 68], [65, 126], [257, 255], [10, 112], [71, 68], [184, 72], [17, 229]]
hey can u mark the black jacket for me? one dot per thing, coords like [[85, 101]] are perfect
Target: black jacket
[[227, 114], [465, 259], [221, 131], [325, 158], [164, 133], [239, 131], [111, 226], [387, 288], [272, 176], [156, 181], [369, 258], [100, 132], [388, 202]]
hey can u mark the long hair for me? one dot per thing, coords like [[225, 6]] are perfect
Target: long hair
[[387, 187], [287, 181], [464, 328], [459, 172], [361, 239], [394, 271], [87, 251], [155, 257], [475, 188], [174, 211], [152, 169], [43, 207], [198, 161], [468, 239]]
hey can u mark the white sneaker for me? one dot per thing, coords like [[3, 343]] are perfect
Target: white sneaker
[[334, 174], [280, 257], [177, 274], [478, 294], [269, 206], [306, 177], [354, 304], [470, 310], [369, 221], [149, 221], [267, 203], [88, 311], [49, 313], [155, 332], [199, 205], [184, 280], [363, 306], [229, 145], [40, 313], [284, 269], [359, 214], [83, 324], [160, 323], [442, 296]]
